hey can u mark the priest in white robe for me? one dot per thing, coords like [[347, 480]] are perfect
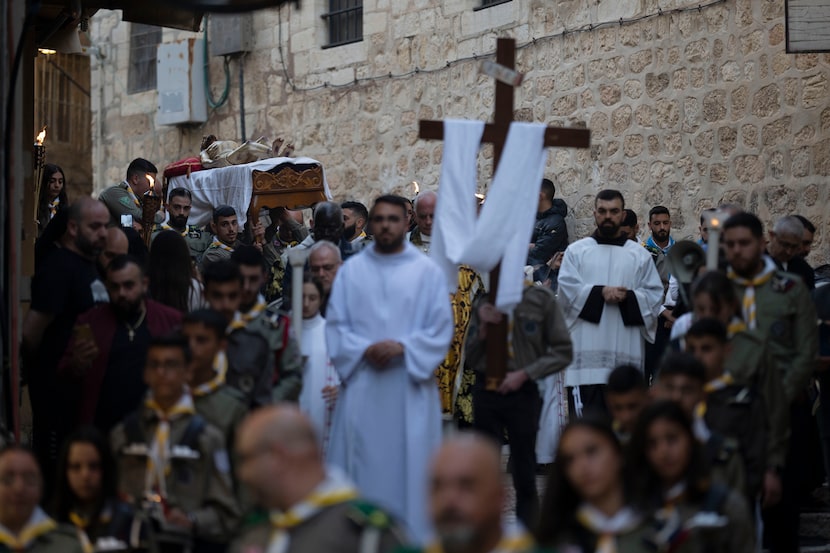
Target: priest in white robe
[[389, 326], [611, 295]]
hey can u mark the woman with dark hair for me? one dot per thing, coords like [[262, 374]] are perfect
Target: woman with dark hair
[[171, 273], [585, 507], [52, 197], [671, 477], [86, 495]]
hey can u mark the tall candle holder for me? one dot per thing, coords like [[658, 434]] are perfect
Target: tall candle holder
[[150, 204], [38, 160]]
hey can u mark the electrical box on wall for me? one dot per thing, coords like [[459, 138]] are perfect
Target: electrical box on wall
[[230, 34], [181, 83]]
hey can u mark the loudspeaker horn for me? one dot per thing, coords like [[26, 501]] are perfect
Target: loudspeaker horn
[[684, 260]]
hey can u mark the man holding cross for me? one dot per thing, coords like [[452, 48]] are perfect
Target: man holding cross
[[611, 295]]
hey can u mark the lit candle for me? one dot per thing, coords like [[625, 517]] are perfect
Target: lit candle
[[41, 136], [416, 187], [152, 183], [713, 223]]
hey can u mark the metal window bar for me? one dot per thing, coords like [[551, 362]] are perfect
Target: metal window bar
[[144, 41], [345, 21], [490, 3], [61, 102]]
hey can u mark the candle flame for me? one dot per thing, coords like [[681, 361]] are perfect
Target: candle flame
[[41, 136], [151, 179], [416, 187]]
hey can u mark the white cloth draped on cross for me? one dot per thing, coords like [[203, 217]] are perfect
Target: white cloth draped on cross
[[502, 232]]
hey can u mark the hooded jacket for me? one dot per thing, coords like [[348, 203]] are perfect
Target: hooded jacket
[[550, 235]]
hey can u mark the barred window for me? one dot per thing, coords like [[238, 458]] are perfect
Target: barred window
[[345, 21], [144, 41]]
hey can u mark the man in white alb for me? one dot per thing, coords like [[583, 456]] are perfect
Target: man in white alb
[[389, 326], [611, 295]]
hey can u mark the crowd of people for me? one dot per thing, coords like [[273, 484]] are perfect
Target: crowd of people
[[175, 409]]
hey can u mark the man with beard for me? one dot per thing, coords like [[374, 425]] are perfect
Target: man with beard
[[225, 226], [313, 507], [109, 343], [124, 198], [355, 219], [387, 422], [776, 306], [65, 285], [611, 295], [467, 500], [179, 204]]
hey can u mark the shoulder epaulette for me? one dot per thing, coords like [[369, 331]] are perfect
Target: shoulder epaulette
[[366, 513]]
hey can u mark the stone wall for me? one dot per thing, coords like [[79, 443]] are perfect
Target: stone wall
[[685, 109]]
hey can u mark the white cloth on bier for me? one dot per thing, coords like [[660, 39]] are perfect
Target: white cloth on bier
[[232, 185]]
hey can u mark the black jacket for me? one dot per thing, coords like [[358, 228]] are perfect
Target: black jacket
[[550, 235]]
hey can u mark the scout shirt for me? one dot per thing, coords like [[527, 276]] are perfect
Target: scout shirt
[[197, 239], [198, 480], [41, 534]]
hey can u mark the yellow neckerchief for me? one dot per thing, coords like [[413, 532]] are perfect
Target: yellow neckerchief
[[158, 456], [220, 367], [607, 528], [360, 236], [221, 245], [699, 426], [719, 383], [335, 489], [241, 320], [736, 326], [514, 539], [133, 197], [38, 524], [81, 524], [165, 226], [53, 207], [749, 308]]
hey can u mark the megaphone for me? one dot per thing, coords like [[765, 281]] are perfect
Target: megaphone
[[684, 260]]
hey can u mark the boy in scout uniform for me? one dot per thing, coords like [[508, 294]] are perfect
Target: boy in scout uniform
[[271, 323], [173, 459], [778, 307], [23, 525], [681, 379], [250, 361], [312, 507]]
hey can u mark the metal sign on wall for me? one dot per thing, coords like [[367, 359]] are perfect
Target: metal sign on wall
[[808, 26]]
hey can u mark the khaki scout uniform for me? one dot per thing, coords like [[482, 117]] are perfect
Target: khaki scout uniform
[[751, 362], [719, 522], [724, 457], [215, 253], [350, 527], [224, 408], [541, 341], [199, 480], [59, 539], [274, 326], [197, 240], [786, 319], [120, 200]]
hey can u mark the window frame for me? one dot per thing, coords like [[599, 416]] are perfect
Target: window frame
[[141, 72], [340, 14]]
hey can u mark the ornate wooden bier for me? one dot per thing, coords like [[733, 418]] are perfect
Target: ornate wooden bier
[[496, 134], [288, 185]]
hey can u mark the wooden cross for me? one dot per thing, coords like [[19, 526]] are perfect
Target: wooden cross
[[496, 134]]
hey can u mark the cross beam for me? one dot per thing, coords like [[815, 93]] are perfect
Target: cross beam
[[496, 133]]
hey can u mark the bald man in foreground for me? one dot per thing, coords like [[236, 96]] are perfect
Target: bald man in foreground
[[467, 500], [313, 508]]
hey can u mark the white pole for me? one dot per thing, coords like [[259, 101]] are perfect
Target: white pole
[[297, 258]]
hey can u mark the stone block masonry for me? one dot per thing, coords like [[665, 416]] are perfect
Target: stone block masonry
[[686, 109]]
